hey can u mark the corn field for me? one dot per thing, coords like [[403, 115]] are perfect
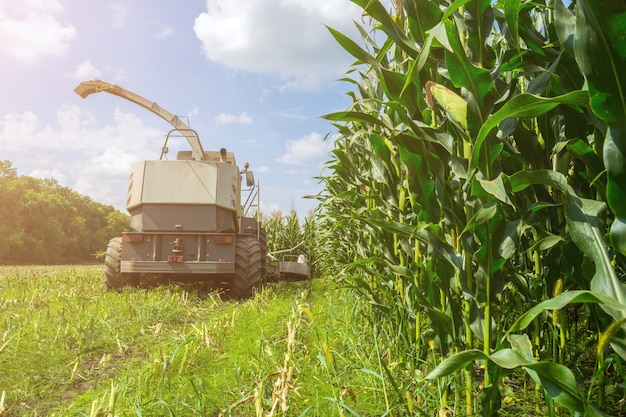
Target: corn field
[[288, 235], [475, 200]]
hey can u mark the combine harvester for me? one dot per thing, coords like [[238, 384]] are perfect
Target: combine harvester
[[189, 220]]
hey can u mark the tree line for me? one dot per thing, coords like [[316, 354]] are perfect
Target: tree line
[[42, 222]]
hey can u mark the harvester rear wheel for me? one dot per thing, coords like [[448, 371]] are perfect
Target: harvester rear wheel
[[113, 277], [248, 266], [263, 239]]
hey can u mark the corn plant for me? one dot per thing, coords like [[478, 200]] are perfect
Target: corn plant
[[283, 232], [290, 235], [468, 185]]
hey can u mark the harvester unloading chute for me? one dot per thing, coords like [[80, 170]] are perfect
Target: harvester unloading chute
[[87, 88]]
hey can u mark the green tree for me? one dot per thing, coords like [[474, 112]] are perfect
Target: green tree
[[43, 222]]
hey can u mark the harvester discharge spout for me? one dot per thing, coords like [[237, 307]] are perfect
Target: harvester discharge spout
[[86, 88]]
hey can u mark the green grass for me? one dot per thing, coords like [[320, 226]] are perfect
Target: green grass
[[68, 347]]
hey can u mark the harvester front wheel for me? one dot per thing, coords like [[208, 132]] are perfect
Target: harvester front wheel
[[113, 277], [248, 266]]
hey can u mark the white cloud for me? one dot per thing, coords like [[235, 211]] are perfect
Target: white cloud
[[114, 161], [76, 130], [193, 113], [120, 76], [102, 193], [306, 149], [86, 71], [57, 174], [293, 113], [254, 143], [30, 30], [164, 31], [26, 7], [119, 12], [225, 118], [80, 152], [284, 37]]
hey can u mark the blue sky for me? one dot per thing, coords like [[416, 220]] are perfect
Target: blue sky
[[252, 76]]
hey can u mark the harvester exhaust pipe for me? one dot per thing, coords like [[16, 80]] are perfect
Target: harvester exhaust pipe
[[223, 155]]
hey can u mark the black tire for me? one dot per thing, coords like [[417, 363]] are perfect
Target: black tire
[[113, 278], [248, 266], [263, 240]]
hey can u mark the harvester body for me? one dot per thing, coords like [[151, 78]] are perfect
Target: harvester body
[[187, 217], [185, 211]]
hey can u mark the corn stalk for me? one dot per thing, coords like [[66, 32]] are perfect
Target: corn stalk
[[464, 178]]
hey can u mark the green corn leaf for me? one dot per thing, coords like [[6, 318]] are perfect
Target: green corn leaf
[[510, 359], [496, 188], [477, 24], [455, 363], [379, 12], [423, 234], [584, 223], [546, 243], [504, 358], [483, 215], [399, 89], [464, 73], [614, 153], [560, 301], [380, 148], [441, 322], [353, 48], [454, 7], [565, 22], [354, 116], [618, 235], [559, 382], [523, 106], [421, 15], [556, 379], [438, 32], [418, 64], [522, 345], [511, 14], [510, 242], [420, 185], [423, 132], [523, 179], [600, 48], [592, 411], [581, 150]]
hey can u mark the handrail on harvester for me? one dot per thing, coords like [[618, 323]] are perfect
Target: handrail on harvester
[[87, 88]]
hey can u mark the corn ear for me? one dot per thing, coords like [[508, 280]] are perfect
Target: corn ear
[[448, 100], [558, 289], [607, 335]]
